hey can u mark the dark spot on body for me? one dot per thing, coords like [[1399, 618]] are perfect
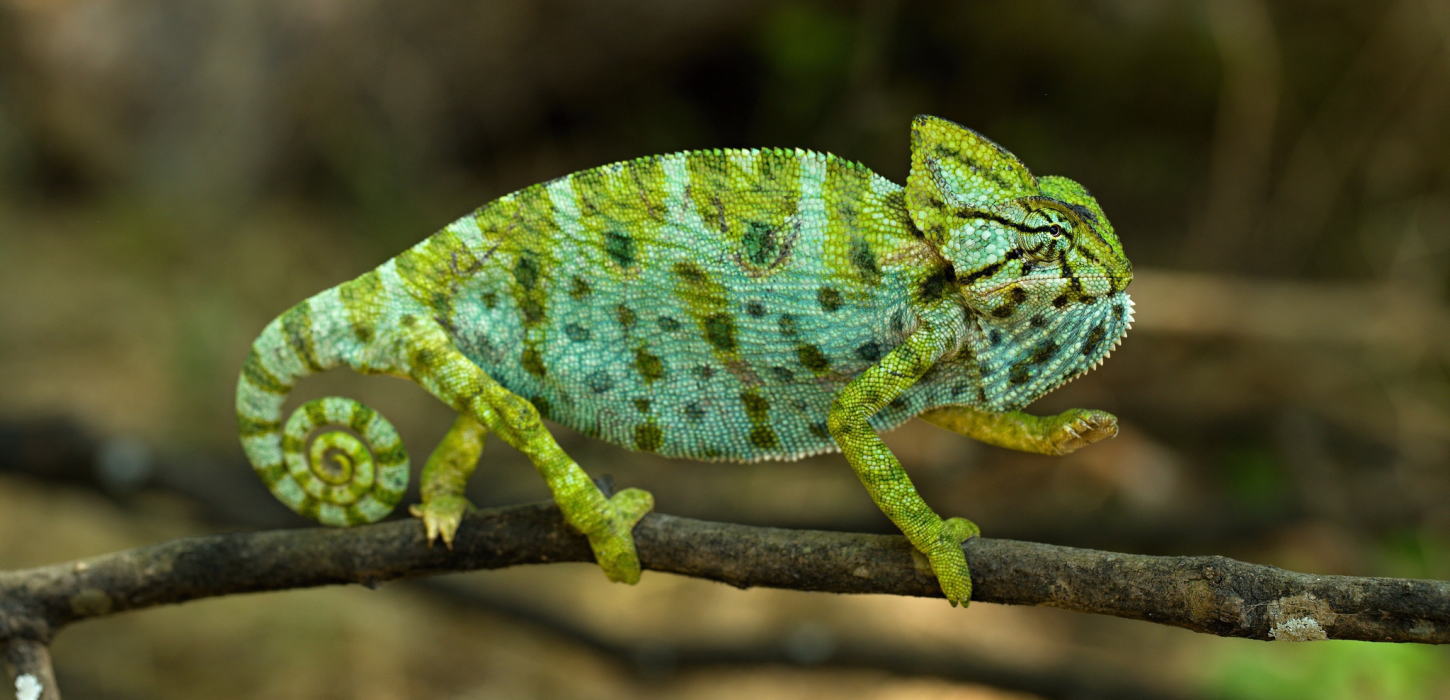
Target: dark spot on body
[[532, 362], [1118, 311], [1043, 352], [960, 388], [1094, 339], [490, 300], [1019, 295], [648, 437], [720, 332], [869, 351], [526, 270], [577, 333], [578, 289], [755, 308], [599, 381], [760, 243], [994, 337], [764, 437], [668, 324], [694, 413], [1038, 321], [1060, 301], [620, 247], [642, 405], [689, 272], [703, 371], [649, 365], [757, 407], [812, 358], [864, 259], [1020, 374], [1005, 310], [819, 430], [788, 325], [625, 316], [829, 298], [783, 375], [532, 310]]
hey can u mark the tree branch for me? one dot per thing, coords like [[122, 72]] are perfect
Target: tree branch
[[27, 663], [1207, 594]]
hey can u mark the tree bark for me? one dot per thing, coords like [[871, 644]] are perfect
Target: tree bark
[[1203, 593]]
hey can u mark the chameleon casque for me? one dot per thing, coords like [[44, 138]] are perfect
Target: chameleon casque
[[724, 304]]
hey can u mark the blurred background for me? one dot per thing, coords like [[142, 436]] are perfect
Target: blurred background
[[173, 174]]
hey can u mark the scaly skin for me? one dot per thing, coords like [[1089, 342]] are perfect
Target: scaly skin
[[720, 305]]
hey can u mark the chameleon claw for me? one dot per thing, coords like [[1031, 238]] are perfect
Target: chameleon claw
[[613, 541], [441, 516], [1080, 427], [949, 562]]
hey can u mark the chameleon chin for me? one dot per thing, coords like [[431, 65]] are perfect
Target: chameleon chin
[[727, 304]]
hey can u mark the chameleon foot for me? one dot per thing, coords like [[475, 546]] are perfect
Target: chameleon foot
[[1079, 427], [613, 541], [948, 561], [441, 516]]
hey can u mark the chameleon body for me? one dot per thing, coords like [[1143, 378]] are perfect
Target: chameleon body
[[717, 305]]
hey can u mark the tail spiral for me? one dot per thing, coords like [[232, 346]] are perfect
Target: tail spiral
[[336, 460], [345, 464]]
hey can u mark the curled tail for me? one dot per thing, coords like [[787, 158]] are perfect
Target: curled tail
[[335, 460]]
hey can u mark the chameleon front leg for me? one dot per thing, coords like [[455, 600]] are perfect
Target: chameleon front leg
[[1049, 435], [446, 475], [608, 521], [878, 469]]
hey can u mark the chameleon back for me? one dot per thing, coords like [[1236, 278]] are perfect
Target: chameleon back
[[706, 304]]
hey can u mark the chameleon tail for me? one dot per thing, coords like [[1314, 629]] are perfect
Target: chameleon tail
[[335, 460]]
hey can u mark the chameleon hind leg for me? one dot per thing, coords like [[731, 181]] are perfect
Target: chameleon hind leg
[[1049, 435], [608, 521], [880, 472], [445, 477]]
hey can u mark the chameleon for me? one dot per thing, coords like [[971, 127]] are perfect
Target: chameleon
[[723, 304]]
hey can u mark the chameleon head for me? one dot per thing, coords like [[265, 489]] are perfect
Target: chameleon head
[[1034, 258]]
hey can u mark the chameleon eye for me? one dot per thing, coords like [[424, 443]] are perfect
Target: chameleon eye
[[1056, 230], [1039, 246]]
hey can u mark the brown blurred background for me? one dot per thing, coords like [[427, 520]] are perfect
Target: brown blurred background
[[173, 174]]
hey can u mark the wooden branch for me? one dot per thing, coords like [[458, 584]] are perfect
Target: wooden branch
[[1207, 594], [27, 665]]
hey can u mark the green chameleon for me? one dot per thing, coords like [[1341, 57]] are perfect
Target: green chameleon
[[724, 304]]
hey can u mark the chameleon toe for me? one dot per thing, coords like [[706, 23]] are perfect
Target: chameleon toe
[[441, 517]]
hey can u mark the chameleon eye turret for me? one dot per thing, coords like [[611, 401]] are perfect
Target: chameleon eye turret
[[728, 304]]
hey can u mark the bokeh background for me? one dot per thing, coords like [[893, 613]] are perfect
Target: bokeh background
[[175, 173]]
